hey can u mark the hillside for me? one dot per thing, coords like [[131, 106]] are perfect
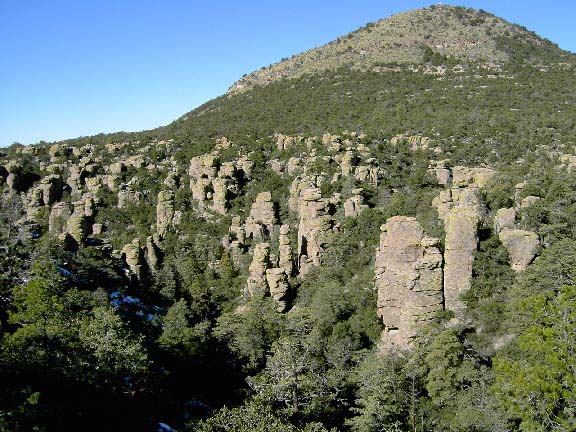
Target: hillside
[[412, 37], [375, 235]]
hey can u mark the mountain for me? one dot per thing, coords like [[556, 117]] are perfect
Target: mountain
[[377, 234], [412, 38]]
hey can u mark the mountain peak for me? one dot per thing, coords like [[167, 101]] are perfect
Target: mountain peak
[[408, 38]]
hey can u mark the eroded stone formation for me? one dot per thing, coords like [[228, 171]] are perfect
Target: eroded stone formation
[[521, 245], [408, 280], [315, 225], [262, 217], [215, 183], [257, 283], [133, 254], [354, 205], [461, 211], [279, 287], [164, 212], [285, 258]]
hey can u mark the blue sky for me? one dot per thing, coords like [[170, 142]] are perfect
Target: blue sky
[[76, 68]]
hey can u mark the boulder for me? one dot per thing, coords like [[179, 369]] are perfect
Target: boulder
[[521, 246]]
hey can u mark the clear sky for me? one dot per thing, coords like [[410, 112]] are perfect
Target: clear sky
[[72, 68]]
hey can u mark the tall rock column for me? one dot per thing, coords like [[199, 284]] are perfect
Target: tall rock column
[[408, 280], [257, 283], [285, 260], [134, 256], [461, 226], [315, 225], [461, 210], [164, 212]]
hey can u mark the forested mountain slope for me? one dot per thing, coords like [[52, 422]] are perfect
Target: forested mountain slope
[[377, 234]]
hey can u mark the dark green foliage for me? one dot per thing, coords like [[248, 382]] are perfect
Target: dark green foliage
[[535, 374]]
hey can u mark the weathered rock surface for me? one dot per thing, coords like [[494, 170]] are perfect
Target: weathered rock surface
[[14, 178], [215, 183], [476, 176], [78, 227], [51, 187], [153, 253], [257, 283], [461, 226], [504, 218], [521, 246], [354, 205], [315, 225], [279, 287], [134, 257], [285, 258], [529, 201], [128, 197], [58, 218], [263, 211], [408, 280], [462, 212], [164, 212], [76, 178]]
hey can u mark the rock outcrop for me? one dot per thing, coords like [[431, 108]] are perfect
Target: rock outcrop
[[316, 224], [164, 212], [285, 258], [215, 183], [408, 280], [153, 253], [59, 215], [14, 178], [51, 187], [461, 211], [354, 205], [521, 246], [128, 197], [279, 287], [257, 284], [504, 218], [78, 227], [263, 211], [134, 256], [461, 226]]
